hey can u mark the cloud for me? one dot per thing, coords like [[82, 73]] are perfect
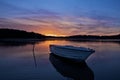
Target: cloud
[[48, 22]]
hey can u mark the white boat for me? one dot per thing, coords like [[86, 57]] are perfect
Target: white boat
[[71, 52]]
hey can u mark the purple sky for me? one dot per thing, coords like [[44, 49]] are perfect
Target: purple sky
[[62, 17]]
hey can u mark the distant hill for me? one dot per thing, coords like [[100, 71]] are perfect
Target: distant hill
[[94, 37], [15, 34]]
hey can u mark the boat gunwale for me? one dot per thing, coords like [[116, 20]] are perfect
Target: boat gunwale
[[73, 49]]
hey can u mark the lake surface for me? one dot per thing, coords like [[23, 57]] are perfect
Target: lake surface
[[33, 62]]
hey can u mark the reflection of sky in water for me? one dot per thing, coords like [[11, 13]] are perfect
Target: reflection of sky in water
[[18, 62]]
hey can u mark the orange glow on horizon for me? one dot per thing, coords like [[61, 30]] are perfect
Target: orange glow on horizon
[[51, 35], [54, 35], [50, 31]]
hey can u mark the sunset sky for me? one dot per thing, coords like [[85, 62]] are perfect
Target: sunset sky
[[62, 17]]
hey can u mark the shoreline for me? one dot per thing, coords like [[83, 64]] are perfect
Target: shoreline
[[32, 39]]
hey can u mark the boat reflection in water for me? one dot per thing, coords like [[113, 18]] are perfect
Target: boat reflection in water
[[70, 69]]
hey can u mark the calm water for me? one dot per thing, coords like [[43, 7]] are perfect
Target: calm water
[[34, 62]]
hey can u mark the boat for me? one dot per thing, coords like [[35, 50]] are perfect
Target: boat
[[71, 52]]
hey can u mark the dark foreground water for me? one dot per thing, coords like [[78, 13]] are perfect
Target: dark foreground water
[[34, 62]]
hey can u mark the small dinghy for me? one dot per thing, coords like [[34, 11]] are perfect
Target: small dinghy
[[71, 52]]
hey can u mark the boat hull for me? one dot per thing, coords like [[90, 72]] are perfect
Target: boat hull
[[70, 53]]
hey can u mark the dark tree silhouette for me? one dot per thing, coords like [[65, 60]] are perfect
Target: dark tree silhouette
[[12, 33]]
